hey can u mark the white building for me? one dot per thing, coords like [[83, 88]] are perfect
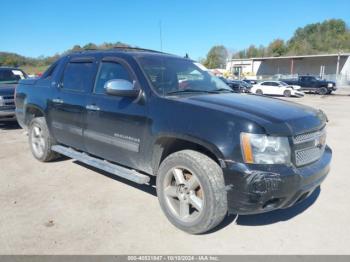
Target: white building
[[331, 66]]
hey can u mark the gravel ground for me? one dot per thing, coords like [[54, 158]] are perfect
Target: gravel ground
[[67, 208]]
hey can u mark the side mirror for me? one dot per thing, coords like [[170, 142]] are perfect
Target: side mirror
[[121, 87]]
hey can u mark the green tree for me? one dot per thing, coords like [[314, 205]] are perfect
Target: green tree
[[329, 36], [77, 48], [326, 37], [252, 51], [277, 48], [216, 57], [90, 46]]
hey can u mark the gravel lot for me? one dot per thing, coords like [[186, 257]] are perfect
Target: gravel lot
[[67, 208]]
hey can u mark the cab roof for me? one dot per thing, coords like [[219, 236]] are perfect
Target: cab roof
[[132, 51]]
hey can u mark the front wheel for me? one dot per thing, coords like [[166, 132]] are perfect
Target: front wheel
[[322, 91], [191, 191]]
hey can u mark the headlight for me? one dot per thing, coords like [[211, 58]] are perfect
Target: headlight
[[330, 85], [263, 149]]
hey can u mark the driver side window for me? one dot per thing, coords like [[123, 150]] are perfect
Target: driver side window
[[109, 71]]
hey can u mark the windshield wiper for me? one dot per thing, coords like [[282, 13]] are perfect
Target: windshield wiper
[[188, 91], [220, 90], [215, 91]]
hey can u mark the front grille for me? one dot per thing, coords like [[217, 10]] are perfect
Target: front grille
[[7, 101], [309, 147], [8, 97]]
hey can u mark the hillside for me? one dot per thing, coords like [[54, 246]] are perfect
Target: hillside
[[329, 36]]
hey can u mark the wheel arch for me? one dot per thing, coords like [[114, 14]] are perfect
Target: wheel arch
[[31, 112], [167, 144]]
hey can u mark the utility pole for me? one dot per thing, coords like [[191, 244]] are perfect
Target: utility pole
[[160, 36], [337, 70]]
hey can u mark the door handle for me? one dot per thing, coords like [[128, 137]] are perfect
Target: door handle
[[57, 100], [92, 107]]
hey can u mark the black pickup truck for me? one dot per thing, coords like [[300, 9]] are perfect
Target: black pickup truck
[[312, 84], [237, 86], [9, 78], [139, 113]]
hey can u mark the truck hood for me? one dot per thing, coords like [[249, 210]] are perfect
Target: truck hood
[[7, 89], [276, 116], [327, 82]]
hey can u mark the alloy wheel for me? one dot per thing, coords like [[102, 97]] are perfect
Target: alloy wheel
[[184, 194]]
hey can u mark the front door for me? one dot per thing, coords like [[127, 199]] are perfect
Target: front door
[[115, 125]]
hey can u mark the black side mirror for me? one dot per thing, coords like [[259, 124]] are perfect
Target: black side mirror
[[121, 87]]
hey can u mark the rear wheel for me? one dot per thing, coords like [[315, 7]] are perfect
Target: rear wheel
[[287, 93], [40, 140], [259, 92], [191, 191]]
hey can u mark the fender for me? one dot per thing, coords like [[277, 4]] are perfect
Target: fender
[[158, 149]]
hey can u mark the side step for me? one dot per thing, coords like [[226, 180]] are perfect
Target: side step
[[114, 169]]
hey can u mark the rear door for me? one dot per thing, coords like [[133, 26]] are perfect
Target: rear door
[[267, 88], [67, 108], [115, 126]]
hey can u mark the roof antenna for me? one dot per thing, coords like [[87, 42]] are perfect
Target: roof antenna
[[160, 35]]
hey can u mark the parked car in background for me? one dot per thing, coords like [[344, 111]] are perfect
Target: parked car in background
[[212, 152], [278, 88], [250, 81], [237, 86], [313, 84], [9, 78]]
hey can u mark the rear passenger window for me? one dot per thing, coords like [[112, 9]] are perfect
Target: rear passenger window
[[78, 76], [109, 71]]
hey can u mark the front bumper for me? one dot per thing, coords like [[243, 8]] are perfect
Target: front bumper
[[253, 189], [7, 114]]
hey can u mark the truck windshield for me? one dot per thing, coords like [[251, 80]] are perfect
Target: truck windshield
[[11, 76], [176, 76], [283, 84]]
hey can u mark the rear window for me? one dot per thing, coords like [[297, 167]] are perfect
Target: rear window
[[78, 76]]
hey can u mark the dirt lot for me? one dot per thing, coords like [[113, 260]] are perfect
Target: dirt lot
[[67, 208]]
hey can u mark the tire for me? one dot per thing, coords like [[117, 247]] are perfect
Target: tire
[[322, 91], [40, 140], [201, 192], [259, 92], [287, 93]]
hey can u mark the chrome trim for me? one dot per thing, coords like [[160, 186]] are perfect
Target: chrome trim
[[307, 137]]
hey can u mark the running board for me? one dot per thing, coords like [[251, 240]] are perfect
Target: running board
[[114, 169]]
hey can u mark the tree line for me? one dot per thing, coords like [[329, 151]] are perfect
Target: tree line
[[16, 60], [329, 36]]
